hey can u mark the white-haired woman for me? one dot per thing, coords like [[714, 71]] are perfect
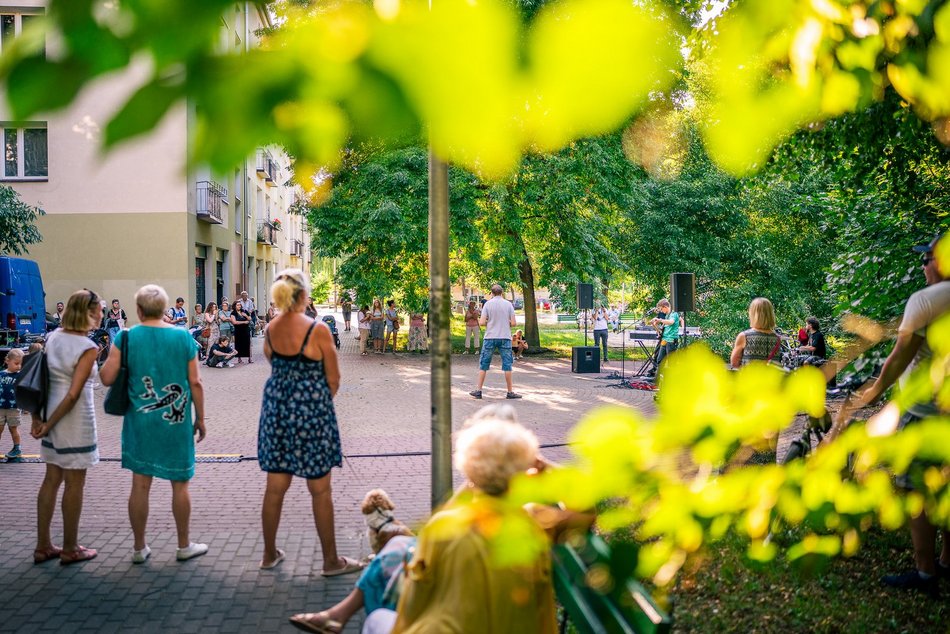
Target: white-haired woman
[[69, 441], [489, 452], [298, 434], [158, 430]]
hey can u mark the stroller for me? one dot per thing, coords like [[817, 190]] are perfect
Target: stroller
[[330, 321]]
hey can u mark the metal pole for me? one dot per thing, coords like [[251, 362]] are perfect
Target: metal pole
[[440, 330]]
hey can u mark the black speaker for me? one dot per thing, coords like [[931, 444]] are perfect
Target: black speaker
[[585, 296], [585, 359], [683, 292]]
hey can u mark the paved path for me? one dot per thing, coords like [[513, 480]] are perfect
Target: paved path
[[383, 407]]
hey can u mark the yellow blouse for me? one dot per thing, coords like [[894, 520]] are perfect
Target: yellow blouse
[[454, 586]]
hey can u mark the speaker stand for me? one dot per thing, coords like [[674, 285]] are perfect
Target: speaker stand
[[586, 319]]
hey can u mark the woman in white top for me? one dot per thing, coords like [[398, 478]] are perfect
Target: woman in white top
[[600, 330], [363, 321], [69, 442]]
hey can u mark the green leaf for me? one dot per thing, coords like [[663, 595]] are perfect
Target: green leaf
[[142, 112], [36, 85]]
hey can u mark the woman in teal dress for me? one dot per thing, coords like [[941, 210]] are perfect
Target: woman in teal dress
[[158, 429]]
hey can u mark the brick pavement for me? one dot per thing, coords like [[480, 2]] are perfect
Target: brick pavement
[[383, 407]]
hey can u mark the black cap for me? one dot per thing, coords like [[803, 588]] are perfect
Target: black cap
[[927, 248]]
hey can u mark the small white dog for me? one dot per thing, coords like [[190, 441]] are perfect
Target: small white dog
[[381, 523]]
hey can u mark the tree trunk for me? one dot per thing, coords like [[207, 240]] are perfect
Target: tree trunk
[[532, 335]]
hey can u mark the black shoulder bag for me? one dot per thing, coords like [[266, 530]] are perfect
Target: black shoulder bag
[[117, 399], [32, 384]]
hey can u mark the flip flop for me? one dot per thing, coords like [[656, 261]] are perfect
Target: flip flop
[[42, 556], [351, 566], [324, 624], [276, 562], [80, 554]]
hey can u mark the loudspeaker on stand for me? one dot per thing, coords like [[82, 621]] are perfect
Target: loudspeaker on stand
[[585, 296]]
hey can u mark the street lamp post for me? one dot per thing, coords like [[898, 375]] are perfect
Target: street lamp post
[[440, 330]]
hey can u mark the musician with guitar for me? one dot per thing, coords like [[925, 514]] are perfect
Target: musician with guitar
[[667, 326]]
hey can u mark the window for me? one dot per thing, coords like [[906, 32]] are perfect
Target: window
[[12, 24], [25, 153]]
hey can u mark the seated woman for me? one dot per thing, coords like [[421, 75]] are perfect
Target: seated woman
[[376, 588], [518, 344], [760, 342], [450, 566], [222, 354]]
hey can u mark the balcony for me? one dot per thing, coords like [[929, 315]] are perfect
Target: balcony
[[266, 167], [210, 196], [296, 248], [266, 233]]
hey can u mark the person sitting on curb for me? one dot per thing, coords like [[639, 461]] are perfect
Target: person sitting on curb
[[222, 354], [518, 344]]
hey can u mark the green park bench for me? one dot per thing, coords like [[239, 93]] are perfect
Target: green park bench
[[624, 607], [566, 318], [628, 318]]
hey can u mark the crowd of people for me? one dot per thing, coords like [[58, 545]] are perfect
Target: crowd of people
[[298, 436]]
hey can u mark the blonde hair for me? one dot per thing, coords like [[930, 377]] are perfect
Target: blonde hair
[[78, 313], [491, 451], [287, 289], [151, 300], [13, 354], [761, 314]]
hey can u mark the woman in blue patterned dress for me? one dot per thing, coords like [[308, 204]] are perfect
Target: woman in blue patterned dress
[[298, 434]]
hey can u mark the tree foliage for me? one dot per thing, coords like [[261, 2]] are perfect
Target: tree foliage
[[17, 223], [485, 81], [554, 223]]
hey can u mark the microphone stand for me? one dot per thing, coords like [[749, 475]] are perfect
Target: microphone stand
[[623, 358]]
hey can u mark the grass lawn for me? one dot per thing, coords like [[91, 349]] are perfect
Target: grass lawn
[[556, 339], [721, 593]]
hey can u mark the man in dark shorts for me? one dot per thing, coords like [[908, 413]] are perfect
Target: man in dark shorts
[[911, 349]]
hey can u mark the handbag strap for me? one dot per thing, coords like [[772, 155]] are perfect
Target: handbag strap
[[778, 343], [125, 350]]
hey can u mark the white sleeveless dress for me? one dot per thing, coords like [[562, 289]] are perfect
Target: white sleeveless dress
[[72, 443]]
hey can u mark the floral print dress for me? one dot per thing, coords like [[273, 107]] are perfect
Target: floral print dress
[[298, 432]]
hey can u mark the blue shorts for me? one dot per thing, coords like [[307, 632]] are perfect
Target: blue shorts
[[488, 349]]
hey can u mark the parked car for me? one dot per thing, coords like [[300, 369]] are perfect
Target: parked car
[[544, 303], [518, 303]]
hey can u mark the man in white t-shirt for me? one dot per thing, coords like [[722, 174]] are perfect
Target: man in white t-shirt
[[498, 317], [910, 350]]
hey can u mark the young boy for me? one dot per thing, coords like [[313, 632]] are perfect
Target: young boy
[[221, 354], [518, 345], [9, 414]]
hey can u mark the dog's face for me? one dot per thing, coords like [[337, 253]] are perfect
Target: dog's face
[[377, 499]]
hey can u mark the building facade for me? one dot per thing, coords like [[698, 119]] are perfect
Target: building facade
[[141, 213]]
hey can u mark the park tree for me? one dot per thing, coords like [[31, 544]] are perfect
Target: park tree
[[17, 223], [555, 222]]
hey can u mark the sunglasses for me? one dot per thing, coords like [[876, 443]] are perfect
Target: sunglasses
[[93, 298], [927, 259]]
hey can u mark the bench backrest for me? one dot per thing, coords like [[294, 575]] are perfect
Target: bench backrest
[[626, 607]]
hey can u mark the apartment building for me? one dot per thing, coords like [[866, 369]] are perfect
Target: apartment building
[[141, 213]]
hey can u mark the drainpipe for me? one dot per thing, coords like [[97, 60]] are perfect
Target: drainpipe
[[247, 201]]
